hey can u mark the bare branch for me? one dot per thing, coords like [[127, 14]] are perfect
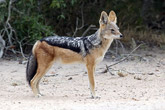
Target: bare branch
[[107, 67], [10, 32], [7, 27], [77, 22], [20, 46], [91, 26], [9, 11], [118, 42], [126, 56], [2, 46], [16, 10]]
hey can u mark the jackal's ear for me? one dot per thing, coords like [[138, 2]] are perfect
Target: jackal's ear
[[112, 17], [103, 18]]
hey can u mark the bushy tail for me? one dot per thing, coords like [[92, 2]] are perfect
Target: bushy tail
[[31, 68]]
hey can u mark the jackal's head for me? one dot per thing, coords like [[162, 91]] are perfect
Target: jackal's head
[[108, 27]]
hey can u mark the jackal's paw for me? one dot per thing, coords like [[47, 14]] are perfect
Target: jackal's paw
[[39, 95]]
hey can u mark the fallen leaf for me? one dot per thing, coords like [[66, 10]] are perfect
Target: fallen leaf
[[14, 84], [135, 99], [121, 74]]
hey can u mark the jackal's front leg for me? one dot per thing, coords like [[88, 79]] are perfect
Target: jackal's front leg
[[91, 70]]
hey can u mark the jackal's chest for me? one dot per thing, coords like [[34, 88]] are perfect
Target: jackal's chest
[[102, 51], [99, 59]]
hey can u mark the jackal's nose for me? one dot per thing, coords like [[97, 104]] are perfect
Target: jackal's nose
[[121, 36]]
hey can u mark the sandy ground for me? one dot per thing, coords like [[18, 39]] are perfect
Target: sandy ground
[[66, 87]]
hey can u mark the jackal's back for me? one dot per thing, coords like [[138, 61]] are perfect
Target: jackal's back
[[81, 45]]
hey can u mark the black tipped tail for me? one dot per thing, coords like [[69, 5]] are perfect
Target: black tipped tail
[[31, 68]]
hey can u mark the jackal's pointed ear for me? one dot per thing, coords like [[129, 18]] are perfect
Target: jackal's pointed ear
[[112, 17], [103, 18]]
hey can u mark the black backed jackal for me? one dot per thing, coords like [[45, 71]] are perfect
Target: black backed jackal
[[89, 50]]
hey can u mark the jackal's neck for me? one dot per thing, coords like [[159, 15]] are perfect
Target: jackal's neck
[[95, 38], [106, 43]]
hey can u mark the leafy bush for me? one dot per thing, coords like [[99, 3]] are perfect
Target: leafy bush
[[31, 28], [27, 24], [33, 19]]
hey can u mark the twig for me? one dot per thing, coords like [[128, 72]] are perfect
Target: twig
[[107, 70], [117, 46], [9, 11], [122, 46], [51, 75], [77, 20], [125, 57], [2, 46], [91, 26], [16, 10], [20, 46], [71, 75]]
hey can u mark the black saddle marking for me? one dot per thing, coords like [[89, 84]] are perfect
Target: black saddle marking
[[64, 42]]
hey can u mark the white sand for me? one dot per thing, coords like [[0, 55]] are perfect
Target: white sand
[[117, 93]]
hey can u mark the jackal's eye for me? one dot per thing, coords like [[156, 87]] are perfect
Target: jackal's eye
[[112, 30]]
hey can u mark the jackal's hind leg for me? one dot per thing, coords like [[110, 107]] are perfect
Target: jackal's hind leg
[[41, 71], [36, 79]]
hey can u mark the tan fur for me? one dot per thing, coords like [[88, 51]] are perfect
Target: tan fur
[[46, 55]]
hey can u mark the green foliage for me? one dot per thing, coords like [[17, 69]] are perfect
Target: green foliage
[[30, 27], [3, 11], [62, 6], [34, 19], [62, 3], [27, 22], [58, 4]]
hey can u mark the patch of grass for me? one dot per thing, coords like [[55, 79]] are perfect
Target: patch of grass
[[150, 37]]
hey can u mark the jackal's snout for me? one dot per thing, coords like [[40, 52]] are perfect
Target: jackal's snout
[[121, 36]]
